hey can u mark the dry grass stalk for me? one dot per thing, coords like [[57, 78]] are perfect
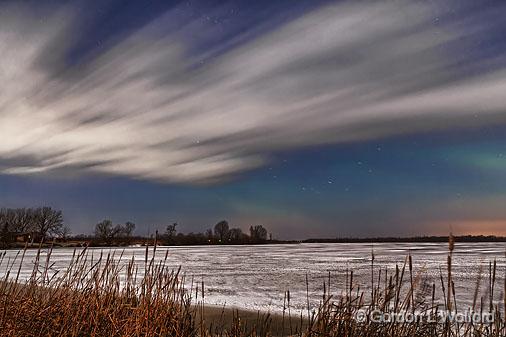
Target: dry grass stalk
[[114, 296]]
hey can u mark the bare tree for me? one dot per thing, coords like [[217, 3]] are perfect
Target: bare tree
[[48, 221], [170, 232], [23, 220], [236, 235], [65, 233], [221, 230], [128, 229], [258, 233], [106, 231], [7, 218], [209, 235], [5, 237]]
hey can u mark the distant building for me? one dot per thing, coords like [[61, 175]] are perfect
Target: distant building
[[25, 237], [22, 237]]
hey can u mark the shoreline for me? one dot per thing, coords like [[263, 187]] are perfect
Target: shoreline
[[223, 315], [150, 242]]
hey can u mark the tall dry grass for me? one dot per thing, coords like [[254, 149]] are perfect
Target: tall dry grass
[[106, 297]]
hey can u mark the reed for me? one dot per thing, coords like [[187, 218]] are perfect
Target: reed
[[116, 296]]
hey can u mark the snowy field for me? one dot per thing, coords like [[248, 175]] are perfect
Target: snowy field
[[256, 277]]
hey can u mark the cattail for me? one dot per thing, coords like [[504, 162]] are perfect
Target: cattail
[[372, 275], [289, 311], [412, 289], [284, 309], [492, 286], [477, 287], [451, 243], [307, 296], [451, 246], [433, 298], [88, 300]]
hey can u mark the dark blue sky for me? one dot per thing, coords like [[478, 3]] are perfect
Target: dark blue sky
[[315, 119]]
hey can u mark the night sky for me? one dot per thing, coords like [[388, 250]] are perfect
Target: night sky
[[313, 118]]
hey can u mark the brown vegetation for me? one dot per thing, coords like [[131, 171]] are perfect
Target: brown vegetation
[[30, 225], [113, 296]]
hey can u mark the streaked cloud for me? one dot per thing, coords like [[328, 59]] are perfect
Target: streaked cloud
[[147, 109]]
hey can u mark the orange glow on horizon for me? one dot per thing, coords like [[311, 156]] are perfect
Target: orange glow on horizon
[[495, 227]]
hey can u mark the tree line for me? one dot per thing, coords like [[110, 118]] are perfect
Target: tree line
[[43, 224], [107, 233], [220, 234], [33, 224]]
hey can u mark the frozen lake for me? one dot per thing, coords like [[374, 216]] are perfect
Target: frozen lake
[[256, 277]]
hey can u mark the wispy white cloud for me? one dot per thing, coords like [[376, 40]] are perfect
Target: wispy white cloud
[[143, 109]]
